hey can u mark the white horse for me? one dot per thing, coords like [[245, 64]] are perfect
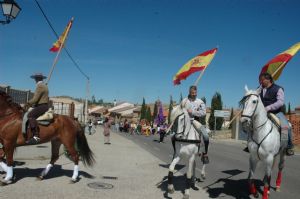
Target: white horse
[[190, 143], [264, 141]]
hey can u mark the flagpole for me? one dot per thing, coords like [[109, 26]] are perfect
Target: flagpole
[[58, 53], [273, 74]]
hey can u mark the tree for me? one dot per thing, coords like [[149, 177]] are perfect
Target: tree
[[148, 116], [289, 109], [181, 98], [155, 112], [143, 110], [283, 109], [203, 118], [93, 99], [170, 108], [216, 104]]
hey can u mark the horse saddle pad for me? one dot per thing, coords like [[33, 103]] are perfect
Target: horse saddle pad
[[274, 119], [46, 116]]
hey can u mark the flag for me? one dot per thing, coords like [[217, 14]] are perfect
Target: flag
[[276, 65], [198, 63], [62, 38]]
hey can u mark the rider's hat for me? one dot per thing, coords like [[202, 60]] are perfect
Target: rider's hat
[[38, 76]]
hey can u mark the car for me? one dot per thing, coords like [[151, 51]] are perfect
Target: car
[[99, 122]]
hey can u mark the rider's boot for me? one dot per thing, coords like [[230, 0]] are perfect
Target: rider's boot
[[35, 139]]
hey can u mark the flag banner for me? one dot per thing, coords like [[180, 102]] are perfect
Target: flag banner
[[61, 38], [198, 63], [277, 64]]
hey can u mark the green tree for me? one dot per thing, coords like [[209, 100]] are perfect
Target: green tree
[[155, 111], [143, 109], [148, 116], [170, 108], [289, 109], [283, 109], [181, 98], [93, 99], [216, 104], [203, 118]]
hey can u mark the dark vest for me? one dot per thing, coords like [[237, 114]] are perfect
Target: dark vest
[[270, 97]]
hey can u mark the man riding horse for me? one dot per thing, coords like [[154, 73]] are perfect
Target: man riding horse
[[272, 97], [196, 109], [39, 102]]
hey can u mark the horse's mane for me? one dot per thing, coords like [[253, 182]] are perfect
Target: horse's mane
[[9, 101]]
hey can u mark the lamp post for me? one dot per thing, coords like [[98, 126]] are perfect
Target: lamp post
[[10, 10]]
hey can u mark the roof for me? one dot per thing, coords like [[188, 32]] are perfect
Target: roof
[[65, 100], [120, 107], [97, 109]]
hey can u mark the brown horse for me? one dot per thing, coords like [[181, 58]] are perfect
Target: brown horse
[[63, 130]]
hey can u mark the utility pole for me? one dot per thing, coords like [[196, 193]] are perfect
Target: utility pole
[[86, 100]]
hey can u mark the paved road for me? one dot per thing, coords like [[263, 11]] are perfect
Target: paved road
[[228, 170]]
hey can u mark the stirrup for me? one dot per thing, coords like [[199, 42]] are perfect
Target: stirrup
[[33, 140]]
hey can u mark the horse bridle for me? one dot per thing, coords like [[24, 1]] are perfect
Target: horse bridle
[[176, 122], [247, 96], [250, 116]]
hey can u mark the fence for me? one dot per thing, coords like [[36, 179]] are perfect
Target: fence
[[23, 96], [18, 96]]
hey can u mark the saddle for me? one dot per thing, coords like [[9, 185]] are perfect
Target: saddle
[[276, 121], [44, 120]]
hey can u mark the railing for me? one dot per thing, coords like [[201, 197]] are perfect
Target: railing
[[18, 96]]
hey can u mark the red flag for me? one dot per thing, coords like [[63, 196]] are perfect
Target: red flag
[[198, 63], [62, 38], [277, 64]]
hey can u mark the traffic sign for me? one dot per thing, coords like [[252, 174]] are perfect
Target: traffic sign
[[221, 113]]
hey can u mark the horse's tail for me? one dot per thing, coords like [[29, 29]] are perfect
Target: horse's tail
[[173, 144], [85, 152]]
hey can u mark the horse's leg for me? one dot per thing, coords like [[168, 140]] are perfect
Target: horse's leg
[[267, 178], [55, 145], [75, 157], [203, 176], [189, 177], [252, 188], [9, 160], [280, 168], [170, 175]]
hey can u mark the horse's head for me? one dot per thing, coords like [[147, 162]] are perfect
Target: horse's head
[[249, 105], [7, 104]]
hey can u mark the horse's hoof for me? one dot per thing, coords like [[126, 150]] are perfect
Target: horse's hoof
[[73, 181], [255, 195], [5, 182], [203, 176], [185, 196], [171, 191], [40, 178], [278, 189]]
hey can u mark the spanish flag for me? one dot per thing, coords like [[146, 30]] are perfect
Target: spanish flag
[[62, 38], [198, 63], [277, 64]]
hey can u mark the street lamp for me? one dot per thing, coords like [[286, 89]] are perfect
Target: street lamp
[[10, 10]]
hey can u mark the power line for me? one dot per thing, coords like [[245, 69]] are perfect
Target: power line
[[57, 36]]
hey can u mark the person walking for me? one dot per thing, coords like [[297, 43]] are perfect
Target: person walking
[[106, 130], [162, 132]]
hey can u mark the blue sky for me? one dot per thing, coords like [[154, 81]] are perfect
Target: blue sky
[[132, 49]]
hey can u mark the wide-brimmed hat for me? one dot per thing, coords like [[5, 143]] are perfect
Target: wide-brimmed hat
[[38, 75]]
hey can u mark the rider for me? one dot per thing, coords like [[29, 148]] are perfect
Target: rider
[[39, 102], [196, 109], [272, 97]]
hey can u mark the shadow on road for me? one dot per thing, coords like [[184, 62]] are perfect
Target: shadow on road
[[56, 171], [236, 188]]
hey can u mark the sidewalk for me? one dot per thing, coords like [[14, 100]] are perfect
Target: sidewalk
[[133, 172]]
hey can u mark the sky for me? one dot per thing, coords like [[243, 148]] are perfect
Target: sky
[[131, 49]]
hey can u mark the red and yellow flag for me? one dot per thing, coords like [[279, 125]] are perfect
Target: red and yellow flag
[[62, 38], [277, 64], [198, 63]]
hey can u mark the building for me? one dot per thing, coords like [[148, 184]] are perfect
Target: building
[[294, 119]]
